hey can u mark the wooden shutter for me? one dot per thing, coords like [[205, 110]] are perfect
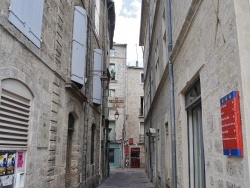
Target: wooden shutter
[[14, 119], [26, 15], [79, 45], [97, 85]]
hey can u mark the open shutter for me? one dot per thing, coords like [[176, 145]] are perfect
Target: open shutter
[[97, 16], [35, 21], [16, 16], [27, 16], [79, 45], [97, 85]]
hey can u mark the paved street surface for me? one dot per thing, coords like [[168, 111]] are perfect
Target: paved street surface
[[127, 178]]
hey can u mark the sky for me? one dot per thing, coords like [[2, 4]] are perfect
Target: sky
[[127, 28]]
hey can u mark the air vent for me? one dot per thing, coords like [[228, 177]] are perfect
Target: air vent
[[14, 119]]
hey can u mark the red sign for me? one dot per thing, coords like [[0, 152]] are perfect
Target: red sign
[[126, 149], [231, 124], [131, 141]]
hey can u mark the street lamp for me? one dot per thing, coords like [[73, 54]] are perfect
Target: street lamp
[[116, 115]]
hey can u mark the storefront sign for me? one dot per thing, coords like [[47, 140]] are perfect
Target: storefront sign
[[231, 124], [116, 102]]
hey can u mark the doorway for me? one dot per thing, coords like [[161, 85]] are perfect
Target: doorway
[[135, 157]]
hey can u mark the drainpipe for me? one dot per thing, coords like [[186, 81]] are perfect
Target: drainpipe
[[172, 102], [150, 98]]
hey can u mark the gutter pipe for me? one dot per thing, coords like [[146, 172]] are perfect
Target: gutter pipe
[[172, 101]]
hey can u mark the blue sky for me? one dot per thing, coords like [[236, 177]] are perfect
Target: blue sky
[[127, 27]]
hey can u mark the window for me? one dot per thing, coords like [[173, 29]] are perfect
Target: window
[[141, 135], [141, 110], [112, 70], [79, 45], [14, 114], [27, 16], [195, 136], [112, 130], [97, 16], [111, 92], [92, 152], [142, 77], [112, 52]]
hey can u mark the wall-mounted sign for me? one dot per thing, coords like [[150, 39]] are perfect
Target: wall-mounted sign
[[231, 124], [116, 102]]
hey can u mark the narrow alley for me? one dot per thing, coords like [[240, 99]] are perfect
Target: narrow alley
[[128, 178]]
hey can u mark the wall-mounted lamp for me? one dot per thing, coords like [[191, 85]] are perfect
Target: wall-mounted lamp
[[116, 115], [104, 76]]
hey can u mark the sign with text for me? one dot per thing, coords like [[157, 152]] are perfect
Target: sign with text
[[116, 102], [231, 124]]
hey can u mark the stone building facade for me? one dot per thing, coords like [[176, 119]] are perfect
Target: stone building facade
[[126, 84], [203, 48], [135, 117], [52, 123]]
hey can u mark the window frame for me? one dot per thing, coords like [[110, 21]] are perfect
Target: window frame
[[195, 128], [115, 71]]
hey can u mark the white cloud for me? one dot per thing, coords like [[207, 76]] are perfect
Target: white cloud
[[127, 28]]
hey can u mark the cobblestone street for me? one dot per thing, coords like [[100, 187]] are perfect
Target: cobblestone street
[[127, 178]]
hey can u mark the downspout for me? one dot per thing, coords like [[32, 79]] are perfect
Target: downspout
[[103, 94], [172, 102], [125, 109], [150, 97]]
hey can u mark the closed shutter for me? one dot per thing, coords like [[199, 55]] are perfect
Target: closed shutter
[[79, 45], [14, 119], [27, 16], [97, 85]]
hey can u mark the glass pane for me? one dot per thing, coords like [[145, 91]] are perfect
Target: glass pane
[[193, 93], [112, 71], [197, 150]]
